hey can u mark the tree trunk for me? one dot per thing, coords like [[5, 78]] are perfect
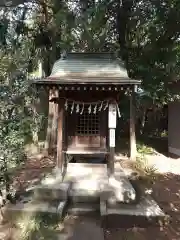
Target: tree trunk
[[143, 122], [123, 15], [133, 150]]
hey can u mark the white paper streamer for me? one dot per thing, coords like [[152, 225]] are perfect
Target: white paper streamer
[[72, 107], [95, 109], [77, 108], [100, 108], [89, 109], [66, 105], [106, 106], [118, 110], [82, 110]]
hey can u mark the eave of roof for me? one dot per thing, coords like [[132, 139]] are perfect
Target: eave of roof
[[88, 81]]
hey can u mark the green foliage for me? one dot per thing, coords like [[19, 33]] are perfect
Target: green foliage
[[38, 226], [17, 122], [153, 46], [148, 174], [141, 29], [94, 28], [17, 118], [145, 33], [144, 149]]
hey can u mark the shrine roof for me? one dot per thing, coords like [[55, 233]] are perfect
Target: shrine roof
[[92, 68]]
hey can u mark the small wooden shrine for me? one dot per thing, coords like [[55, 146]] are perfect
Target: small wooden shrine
[[88, 87]]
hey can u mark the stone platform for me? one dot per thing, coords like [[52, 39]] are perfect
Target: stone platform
[[86, 189]]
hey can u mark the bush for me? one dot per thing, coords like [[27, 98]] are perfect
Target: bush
[[17, 122]]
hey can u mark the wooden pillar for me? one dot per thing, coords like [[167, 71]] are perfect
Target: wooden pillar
[[112, 128], [132, 126], [111, 156], [51, 138], [60, 135]]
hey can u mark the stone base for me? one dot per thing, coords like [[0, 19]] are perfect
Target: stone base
[[81, 171], [83, 208], [121, 189], [128, 215], [82, 196], [56, 191], [88, 193], [34, 208]]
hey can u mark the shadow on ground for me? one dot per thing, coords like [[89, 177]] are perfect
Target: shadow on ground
[[160, 145], [166, 192]]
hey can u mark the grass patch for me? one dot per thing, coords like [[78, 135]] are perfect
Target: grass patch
[[39, 226], [147, 175], [144, 149]]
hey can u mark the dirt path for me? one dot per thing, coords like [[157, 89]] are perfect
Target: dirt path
[[81, 228], [33, 171]]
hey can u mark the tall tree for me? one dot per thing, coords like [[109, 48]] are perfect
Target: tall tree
[[144, 33]]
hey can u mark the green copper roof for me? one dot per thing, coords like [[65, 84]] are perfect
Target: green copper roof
[[89, 68]]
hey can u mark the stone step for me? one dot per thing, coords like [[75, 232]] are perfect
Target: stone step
[[56, 191], [83, 208], [87, 165], [127, 215], [90, 184], [119, 189], [84, 196], [87, 190], [34, 207], [86, 169], [129, 193]]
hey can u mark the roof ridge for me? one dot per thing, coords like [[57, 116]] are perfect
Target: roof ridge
[[89, 55]]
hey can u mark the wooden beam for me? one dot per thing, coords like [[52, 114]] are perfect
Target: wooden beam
[[60, 135], [133, 150]]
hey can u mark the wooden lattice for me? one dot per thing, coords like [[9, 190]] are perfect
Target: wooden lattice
[[88, 123]]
